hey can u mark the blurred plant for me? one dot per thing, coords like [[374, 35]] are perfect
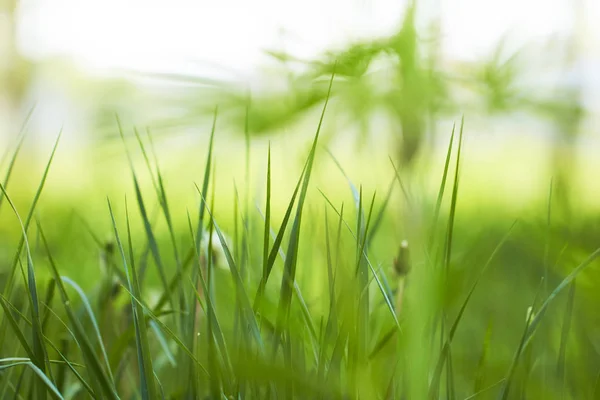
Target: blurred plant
[[401, 76], [15, 70]]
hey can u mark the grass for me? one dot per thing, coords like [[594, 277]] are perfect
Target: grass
[[303, 301]]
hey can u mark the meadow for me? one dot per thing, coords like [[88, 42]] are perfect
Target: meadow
[[289, 269]]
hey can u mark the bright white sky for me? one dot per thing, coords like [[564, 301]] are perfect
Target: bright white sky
[[167, 36]]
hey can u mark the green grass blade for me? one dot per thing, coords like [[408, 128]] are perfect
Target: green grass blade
[[308, 320], [161, 194], [61, 373], [39, 350], [11, 166], [88, 309], [48, 301], [242, 295], [10, 281], [15, 152], [449, 237], [382, 289], [213, 367], [480, 377], [355, 192], [289, 272], [166, 329], [364, 236], [163, 343], [40, 374], [17, 388], [331, 275], [98, 377], [565, 282], [513, 366], [275, 249], [267, 227], [407, 197], [434, 388], [381, 213], [176, 281], [15, 327], [147, 225], [438, 204], [148, 386], [206, 181], [216, 330], [560, 365], [477, 394]]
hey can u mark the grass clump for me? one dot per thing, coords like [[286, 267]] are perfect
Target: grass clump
[[230, 318]]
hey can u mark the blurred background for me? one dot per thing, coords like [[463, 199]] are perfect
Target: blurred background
[[525, 74]]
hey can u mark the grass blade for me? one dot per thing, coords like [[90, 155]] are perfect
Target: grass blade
[[511, 371], [205, 182], [434, 388], [88, 309], [565, 282], [277, 242], [482, 360], [438, 205], [98, 377], [267, 228], [40, 374], [248, 313], [148, 386], [15, 327], [381, 213], [289, 272], [165, 329], [560, 366], [40, 358], [161, 194], [10, 281], [147, 226]]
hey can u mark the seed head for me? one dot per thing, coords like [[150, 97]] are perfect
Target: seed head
[[402, 262]]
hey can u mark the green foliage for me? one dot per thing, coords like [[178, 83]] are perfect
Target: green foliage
[[361, 330]]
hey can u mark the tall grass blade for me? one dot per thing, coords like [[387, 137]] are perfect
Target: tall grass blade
[[480, 377], [275, 249], [10, 281], [248, 314], [99, 379], [147, 225], [434, 388], [438, 204], [289, 272], [88, 309], [148, 386], [166, 329], [43, 378], [267, 227], [11, 166], [513, 366], [308, 320], [448, 246], [379, 218], [566, 328], [40, 358], [207, 172], [161, 194], [380, 285], [15, 327], [561, 286]]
